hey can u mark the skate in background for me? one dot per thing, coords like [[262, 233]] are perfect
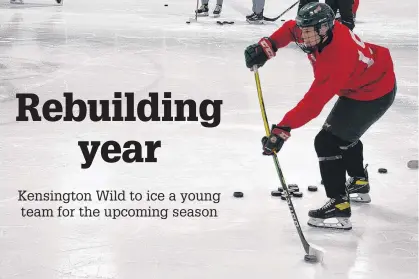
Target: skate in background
[[257, 16], [204, 10]]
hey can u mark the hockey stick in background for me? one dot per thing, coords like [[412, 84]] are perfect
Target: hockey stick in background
[[284, 12], [196, 11], [196, 14], [312, 254]]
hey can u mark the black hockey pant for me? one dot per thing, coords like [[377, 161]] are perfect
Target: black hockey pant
[[338, 144]]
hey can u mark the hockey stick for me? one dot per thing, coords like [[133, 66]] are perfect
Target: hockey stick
[[312, 254], [196, 14], [196, 11], [276, 18]]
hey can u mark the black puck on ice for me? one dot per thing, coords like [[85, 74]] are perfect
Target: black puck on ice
[[238, 194], [276, 193], [166, 5], [297, 194], [292, 190], [310, 258], [412, 164], [188, 22], [282, 19], [312, 188], [382, 170]]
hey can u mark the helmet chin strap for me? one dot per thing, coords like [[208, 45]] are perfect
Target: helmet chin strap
[[325, 40]]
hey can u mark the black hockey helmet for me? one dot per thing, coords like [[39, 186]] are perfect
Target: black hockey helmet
[[317, 15]]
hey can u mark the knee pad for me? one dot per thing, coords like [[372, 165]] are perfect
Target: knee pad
[[326, 145], [329, 145]]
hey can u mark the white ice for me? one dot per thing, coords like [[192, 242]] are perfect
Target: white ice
[[94, 48]]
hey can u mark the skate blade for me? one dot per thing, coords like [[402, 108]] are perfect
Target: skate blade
[[361, 198], [337, 223], [202, 14], [259, 22]]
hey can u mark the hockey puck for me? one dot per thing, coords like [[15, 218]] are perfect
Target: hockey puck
[[188, 22], [238, 194], [224, 22], [292, 190], [166, 5], [412, 164], [382, 170], [297, 194], [276, 193], [282, 19], [310, 258], [312, 188]]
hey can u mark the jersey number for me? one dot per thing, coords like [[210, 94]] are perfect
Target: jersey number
[[367, 60]]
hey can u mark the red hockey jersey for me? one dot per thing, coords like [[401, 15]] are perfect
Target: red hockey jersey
[[346, 67]]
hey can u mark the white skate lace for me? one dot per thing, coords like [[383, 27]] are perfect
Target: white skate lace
[[328, 204]]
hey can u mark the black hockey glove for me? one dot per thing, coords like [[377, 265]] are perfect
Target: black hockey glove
[[258, 54], [276, 139]]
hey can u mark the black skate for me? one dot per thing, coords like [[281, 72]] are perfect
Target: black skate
[[359, 188], [338, 209], [255, 18], [217, 10], [251, 15], [203, 10]]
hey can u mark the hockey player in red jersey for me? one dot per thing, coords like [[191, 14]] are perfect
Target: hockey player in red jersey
[[355, 7], [361, 74]]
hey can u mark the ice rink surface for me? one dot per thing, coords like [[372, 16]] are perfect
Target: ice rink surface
[[94, 48]]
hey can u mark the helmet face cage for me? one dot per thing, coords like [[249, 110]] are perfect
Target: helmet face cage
[[317, 15], [321, 30]]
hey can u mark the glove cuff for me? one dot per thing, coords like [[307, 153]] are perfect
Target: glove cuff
[[282, 132], [273, 44], [268, 48]]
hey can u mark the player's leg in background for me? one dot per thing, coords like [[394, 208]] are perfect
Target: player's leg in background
[[348, 121], [257, 15], [218, 8], [355, 8], [305, 2], [203, 10], [333, 5], [346, 15]]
